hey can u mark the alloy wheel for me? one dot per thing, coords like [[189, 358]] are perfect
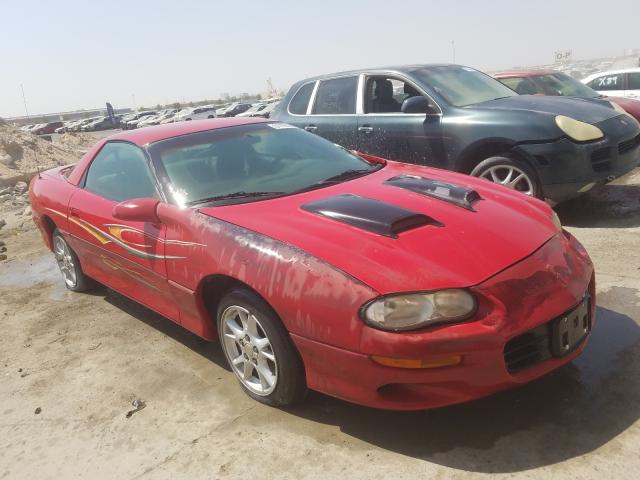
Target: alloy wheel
[[249, 350], [65, 261], [510, 176]]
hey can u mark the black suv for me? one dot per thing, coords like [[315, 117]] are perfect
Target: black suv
[[458, 118]]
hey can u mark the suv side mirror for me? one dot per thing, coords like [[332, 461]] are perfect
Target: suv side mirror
[[418, 104], [137, 210]]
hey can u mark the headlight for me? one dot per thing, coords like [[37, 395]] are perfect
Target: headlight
[[556, 220], [579, 131], [617, 107], [416, 310]]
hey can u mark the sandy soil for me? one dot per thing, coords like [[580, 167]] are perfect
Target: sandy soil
[[83, 359]]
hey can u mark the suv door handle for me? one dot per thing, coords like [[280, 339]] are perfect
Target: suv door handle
[[311, 128], [74, 212], [365, 129]]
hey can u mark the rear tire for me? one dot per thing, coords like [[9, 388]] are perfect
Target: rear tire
[[259, 350], [511, 173], [69, 265]]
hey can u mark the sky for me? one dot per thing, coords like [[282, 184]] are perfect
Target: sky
[[72, 55]]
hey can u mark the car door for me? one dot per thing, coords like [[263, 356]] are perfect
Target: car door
[[610, 84], [128, 256], [633, 85], [332, 111], [385, 131]]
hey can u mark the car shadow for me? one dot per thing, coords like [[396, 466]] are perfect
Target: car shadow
[[568, 413], [607, 206], [209, 350]]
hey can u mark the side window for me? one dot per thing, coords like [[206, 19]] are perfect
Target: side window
[[633, 80], [336, 96], [120, 172], [608, 82], [300, 100], [386, 94]]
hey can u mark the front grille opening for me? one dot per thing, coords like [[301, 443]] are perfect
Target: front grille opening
[[628, 145], [601, 159], [526, 350]]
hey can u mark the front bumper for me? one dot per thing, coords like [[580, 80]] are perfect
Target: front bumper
[[530, 293], [566, 169]]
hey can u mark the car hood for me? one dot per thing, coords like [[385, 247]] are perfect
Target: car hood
[[466, 248], [577, 108]]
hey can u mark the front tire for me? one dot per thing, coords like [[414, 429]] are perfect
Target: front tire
[[511, 173], [259, 350], [69, 265]]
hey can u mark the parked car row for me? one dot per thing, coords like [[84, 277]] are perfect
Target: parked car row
[[42, 128], [150, 117]]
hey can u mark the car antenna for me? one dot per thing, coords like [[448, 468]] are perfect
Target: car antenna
[[35, 150]]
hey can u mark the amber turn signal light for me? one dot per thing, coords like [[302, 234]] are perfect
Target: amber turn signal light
[[438, 362]]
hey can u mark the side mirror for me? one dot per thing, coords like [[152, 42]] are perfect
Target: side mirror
[[418, 104], [137, 210]]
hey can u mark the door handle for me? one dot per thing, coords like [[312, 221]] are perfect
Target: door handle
[[311, 128], [365, 129], [74, 212]]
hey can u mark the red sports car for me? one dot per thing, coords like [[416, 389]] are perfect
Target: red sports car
[[555, 83], [384, 284]]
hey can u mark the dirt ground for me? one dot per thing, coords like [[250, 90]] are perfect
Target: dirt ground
[[82, 359]]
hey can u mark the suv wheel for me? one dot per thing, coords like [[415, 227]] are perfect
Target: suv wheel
[[509, 172]]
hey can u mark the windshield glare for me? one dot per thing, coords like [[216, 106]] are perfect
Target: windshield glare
[[461, 86], [264, 158]]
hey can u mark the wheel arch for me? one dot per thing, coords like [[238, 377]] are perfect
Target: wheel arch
[[213, 288], [48, 226], [476, 152]]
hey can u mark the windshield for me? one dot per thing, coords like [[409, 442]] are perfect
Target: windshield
[[563, 84], [249, 162], [461, 86]]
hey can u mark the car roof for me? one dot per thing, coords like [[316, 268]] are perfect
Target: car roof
[[396, 68], [610, 72], [524, 73], [162, 132]]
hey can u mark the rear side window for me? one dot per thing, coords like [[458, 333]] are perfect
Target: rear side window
[[634, 81], [120, 172], [300, 101], [608, 82], [336, 96]]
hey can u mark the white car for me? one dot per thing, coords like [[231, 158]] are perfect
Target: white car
[[616, 83], [255, 108], [196, 113]]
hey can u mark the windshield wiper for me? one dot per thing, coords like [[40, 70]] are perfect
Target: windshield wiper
[[234, 195], [340, 177], [346, 175]]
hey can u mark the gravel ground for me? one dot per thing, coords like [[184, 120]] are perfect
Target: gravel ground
[[72, 364]]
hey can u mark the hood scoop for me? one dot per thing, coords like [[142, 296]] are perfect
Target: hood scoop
[[368, 214], [461, 196]]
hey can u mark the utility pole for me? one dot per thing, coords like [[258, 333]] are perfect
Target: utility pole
[[24, 99]]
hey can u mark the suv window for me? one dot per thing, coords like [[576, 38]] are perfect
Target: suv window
[[119, 172], [386, 94], [608, 82], [300, 100], [336, 96], [633, 79]]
